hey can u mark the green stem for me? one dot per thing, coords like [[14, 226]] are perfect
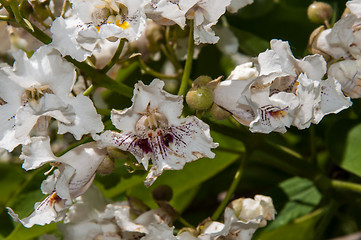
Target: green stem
[[102, 79], [89, 90], [348, 186], [104, 112], [185, 222], [5, 4], [189, 61], [170, 57], [37, 33], [15, 9], [74, 145], [232, 188], [115, 58], [63, 9], [313, 157], [152, 72]]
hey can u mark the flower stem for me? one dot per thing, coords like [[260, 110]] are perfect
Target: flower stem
[[185, 222], [189, 61], [114, 59], [89, 90], [74, 145], [349, 186], [232, 188], [152, 72], [102, 79]]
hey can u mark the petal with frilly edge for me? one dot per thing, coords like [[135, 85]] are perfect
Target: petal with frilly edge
[[75, 173], [86, 119], [332, 99], [238, 4], [151, 128]]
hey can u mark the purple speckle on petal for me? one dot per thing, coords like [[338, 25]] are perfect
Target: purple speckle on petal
[[168, 138], [144, 145]]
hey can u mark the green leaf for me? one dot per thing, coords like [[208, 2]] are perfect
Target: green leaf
[[300, 229], [352, 156], [301, 196], [23, 233], [10, 181], [249, 43]]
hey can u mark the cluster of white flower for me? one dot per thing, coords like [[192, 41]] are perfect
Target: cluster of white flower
[[121, 220], [278, 90], [91, 24], [342, 43], [270, 93]]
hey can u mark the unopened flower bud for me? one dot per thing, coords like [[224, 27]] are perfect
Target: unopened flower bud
[[162, 193], [116, 153], [106, 167], [319, 12], [201, 81], [200, 98], [219, 113]]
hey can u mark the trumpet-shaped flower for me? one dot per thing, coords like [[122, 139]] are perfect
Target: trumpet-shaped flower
[[92, 22], [39, 87], [152, 129], [280, 91], [75, 173]]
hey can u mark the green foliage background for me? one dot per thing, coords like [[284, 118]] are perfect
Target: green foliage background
[[313, 175]]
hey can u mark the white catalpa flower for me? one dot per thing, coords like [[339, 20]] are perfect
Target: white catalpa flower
[[93, 22], [91, 217], [343, 40], [75, 173], [83, 221], [280, 91], [169, 12], [40, 87], [238, 4], [244, 216], [348, 75], [206, 14], [151, 128]]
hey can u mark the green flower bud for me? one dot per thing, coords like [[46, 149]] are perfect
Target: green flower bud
[[106, 167], [219, 113], [319, 12], [162, 193], [200, 98], [116, 153], [201, 81]]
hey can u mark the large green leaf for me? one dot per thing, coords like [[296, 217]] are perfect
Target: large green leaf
[[249, 43], [24, 233], [352, 156], [299, 229], [10, 180], [301, 198]]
